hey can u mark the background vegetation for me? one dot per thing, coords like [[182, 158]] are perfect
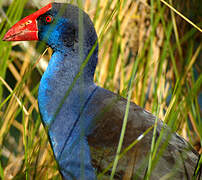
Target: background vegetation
[[145, 34]]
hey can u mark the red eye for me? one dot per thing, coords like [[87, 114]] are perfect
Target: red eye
[[49, 19]]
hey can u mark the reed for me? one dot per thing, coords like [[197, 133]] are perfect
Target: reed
[[147, 53]]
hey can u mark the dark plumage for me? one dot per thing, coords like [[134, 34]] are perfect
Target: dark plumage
[[90, 115]]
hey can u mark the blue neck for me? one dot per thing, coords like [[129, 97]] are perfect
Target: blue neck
[[57, 79], [63, 129]]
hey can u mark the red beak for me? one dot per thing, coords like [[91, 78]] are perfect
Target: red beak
[[26, 29]]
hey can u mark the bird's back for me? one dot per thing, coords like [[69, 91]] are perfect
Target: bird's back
[[177, 161]]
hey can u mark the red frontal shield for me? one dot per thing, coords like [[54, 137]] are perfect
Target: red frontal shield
[[26, 29]]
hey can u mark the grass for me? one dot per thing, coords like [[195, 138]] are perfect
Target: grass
[[144, 55]]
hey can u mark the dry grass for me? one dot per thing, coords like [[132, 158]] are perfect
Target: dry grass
[[167, 47]]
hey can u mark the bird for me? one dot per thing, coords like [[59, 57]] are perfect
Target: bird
[[84, 120]]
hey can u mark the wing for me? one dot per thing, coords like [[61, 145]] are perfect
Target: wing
[[177, 161]]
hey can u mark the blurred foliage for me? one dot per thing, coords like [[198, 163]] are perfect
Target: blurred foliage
[[168, 50]]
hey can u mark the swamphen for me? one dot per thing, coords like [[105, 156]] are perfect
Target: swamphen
[[78, 113]]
